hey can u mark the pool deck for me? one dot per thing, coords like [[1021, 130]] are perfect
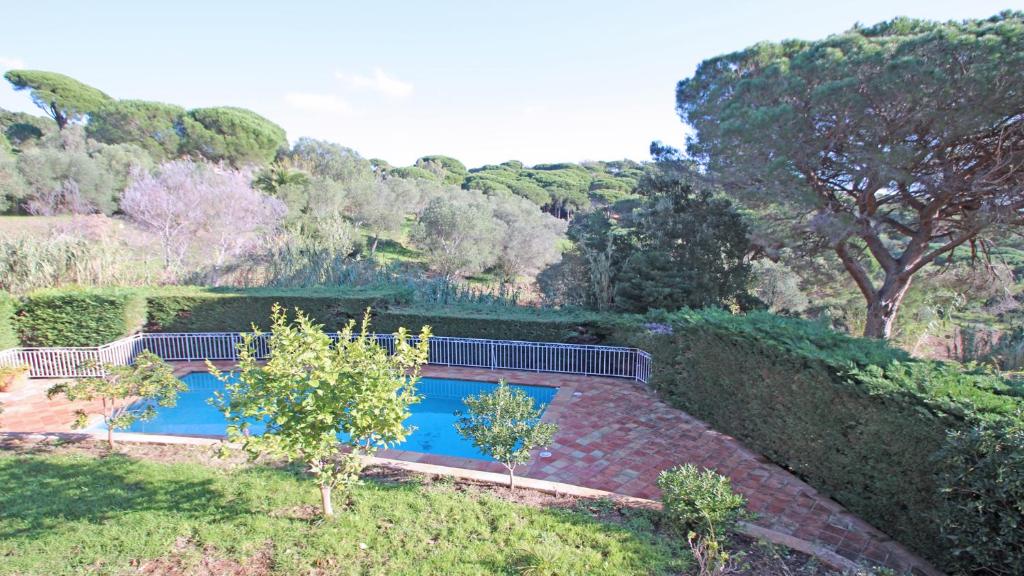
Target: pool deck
[[614, 435]]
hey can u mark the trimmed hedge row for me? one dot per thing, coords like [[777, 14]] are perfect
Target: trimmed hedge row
[[206, 310], [8, 334], [78, 317], [505, 323], [858, 420], [90, 317]]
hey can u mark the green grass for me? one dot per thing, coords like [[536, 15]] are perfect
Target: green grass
[[81, 514]]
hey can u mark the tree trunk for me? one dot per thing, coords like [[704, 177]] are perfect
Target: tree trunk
[[511, 479], [325, 499], [884, 305], [110, 436], [373, 247]]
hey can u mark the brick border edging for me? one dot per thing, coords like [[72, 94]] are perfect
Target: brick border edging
[[826, 556]]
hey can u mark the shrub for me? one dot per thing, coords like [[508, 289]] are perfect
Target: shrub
[[701, 501], [8, 334], [982, 511], [856, 419], [79, 317]]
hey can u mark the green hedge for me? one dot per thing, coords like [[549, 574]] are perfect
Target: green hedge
[[8, 333], [858, 420], [78, 317], [500, 322], [211, 310]]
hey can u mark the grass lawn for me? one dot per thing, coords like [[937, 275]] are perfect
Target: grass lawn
[[74, 514]]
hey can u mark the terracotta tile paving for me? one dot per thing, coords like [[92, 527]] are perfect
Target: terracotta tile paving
[[614, 435]]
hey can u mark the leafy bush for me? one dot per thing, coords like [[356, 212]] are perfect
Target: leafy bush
[[858, 420], [982, 512], [699, 500], [216, 310], [8, 334], [79, 317]]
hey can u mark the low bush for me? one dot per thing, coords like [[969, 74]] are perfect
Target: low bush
[[222, 310], [857, 419], [701, 501], [79, 317], [8, 333]]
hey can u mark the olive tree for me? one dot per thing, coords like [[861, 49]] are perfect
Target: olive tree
[[119, 388], [315, 395], [458, 233], [505, 425], [532, 239], [890, 145]]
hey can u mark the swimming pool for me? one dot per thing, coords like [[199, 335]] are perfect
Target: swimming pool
[[433, 417]]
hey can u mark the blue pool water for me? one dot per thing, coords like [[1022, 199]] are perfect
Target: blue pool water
[[433, 417]]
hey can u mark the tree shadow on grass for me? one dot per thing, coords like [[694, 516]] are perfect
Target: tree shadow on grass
[[43, 493]]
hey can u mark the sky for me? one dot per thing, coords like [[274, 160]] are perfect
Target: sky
[[483, 81]]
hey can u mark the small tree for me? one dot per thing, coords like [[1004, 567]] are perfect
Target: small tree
[[311, 389], [119, 388], [506, 426]]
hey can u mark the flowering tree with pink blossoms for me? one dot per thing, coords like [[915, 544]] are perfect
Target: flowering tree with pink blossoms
[[209, 210]]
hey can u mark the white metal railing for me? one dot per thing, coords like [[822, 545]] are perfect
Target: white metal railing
[[584, 359]]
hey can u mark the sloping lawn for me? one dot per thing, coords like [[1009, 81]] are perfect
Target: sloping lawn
[[73, 514]]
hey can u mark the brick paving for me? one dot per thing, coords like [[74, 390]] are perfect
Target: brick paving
[[614, 435]]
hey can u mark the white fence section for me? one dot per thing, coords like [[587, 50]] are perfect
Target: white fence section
[[583, 359]]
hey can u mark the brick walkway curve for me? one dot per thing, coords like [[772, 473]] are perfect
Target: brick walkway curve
[[614, 435]]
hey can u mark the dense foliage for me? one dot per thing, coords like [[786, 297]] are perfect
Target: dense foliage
[[982, 483], [858, 420], [689, 249], [890, 145]]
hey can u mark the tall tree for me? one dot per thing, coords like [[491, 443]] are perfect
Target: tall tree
[[63, 98], [890, 145], [154, 126], [689, 247], [234, 135]]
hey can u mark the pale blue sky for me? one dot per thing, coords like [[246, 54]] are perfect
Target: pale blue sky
[[482, 81]]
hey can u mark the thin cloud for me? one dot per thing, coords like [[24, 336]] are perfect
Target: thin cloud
[[7, 63], [379, 82], [319, 103]]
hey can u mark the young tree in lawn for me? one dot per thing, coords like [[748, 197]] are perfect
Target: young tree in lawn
[[505, 425], [119, 388], [311, 389], [890, 145]]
